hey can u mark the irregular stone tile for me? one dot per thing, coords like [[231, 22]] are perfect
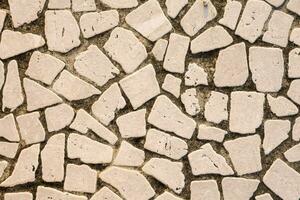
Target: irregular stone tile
[[84, 122], [282, 106], [37, 96], [80, 178], [46, 193], [296, 130], [216, 107], [294, 6], [3, 166], [120, 4], [2, 76], [206, 189], [159, 49], [108, 104], [278, 29], [2, 19], [59, 4], [265, 196], [25, 12], [293, 154], [253, 19], [95, 23], [14, 43], [87, 150], [12, 90], [293, 91], [275, 3], [239, 188], [138, 188], [73, 88], [168, 117], [167, 196], [232, 66], [175, 6], [18, 196], [231, 15], [8, 149], [167, 172], [165, 144], [31, 128], [172, 84], [149, 20], [61, 30], [53, 159], [250, 161], [294, 63], [275, 132], [246, 117], [25, 168], [280, 173], [105, 194], [83, 5], [141, 86], [207, 161], [125, 48], [215, 37], [128, 155], [190, 101], [44, 67], [295, 35], [176, 52], [210, 133], [8, 128], [195, 75], [201, 12]]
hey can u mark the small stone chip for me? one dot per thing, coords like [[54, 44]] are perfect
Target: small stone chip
[[175, 6], [282, 106], [122, 46], [167, 172], [293, 91], [83, 5], [45, 193], [294, 63], [95, 23], [296, 130], [2, 19], [215, 37], [190, 101], [8, 149], [80, 178], [165, 144], [250, 161], [255, 14], [205, 190], [149, 20], [293, 154], [159, 49], [295, 36], [167, 196], [120, 4], [18, 196], [216, 107], [172, 84], [59, 4], [210, 133], [201, 12], [105, 194], [294, 6], [207, 161], [195, 75], [231, 15], [265, 196], [8, 128]]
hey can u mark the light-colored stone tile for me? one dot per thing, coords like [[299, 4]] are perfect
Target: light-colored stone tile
[[275, 3], [231, 15], [120, 4], [293, 93], [59, 117], [3, 14], [293, 154], [9, 129], [294, 63], [172, 84], [3, 166], [210, 133], [59, 4], [282, 106], [296, 130], [215, 109], [175, 6], [265, 196], [190, 100], [2, 76], [195, 75], [46, 193], [294, 6], [159, 49], [83, 5], [18, 196], [105, 194], [8, 149], [167, 196], [295, 36], [206, 189]]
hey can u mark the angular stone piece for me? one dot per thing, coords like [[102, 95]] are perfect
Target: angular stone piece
[[190, 101], [293, 154], [59, 4], [294, 63], [210, 133], [105, 194], [282, 106], [206, 189], [216, 107], [120, 4], [293, 91], [294, 6], [8, 149], [167, 196], [2, 78], [295, 36], [159, 49], [172, 84], [2, 19], [46, 193], [83, 5], [195, 75], [18, 196], [3, 166], [265, 196], [231, 15], [8, 128], [59, 117], [175, 6], [296, 130]]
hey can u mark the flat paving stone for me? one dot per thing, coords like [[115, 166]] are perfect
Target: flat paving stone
[[282, 106], [265, 196], [120, 4], [105, 193], [294, 63], [293, 6], [292, 154], [9, 128], [195, 75], [206, 132], [45, 193], [294, 36], [189, 99], [292, 92], [231, 15], [175, 6], [3, 15], [205, 189], [172, 84], [8, 149], [59, 4], [159, 49], [18, 196], [296, 130], [167, 196], [83, 5], [216, 107]]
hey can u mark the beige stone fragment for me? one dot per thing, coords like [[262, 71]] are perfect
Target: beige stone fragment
[[8, 149], [172, 84], [138, 188], [141, 86], [2, 19], [84, 122], [8, 128], [18, 196], [296, 130], [37, 96], [168, 117], [59, 4], [275, 3], [159, 49], [195, 75], [282, 106], [165, 144], [190, 101], [120, 4], [239, 188], [87, 150], [2, 76], [53, 159], [293, 92], [80, 178], [295, 36], [167, 196], [283, 180], [105, 194], [44, 67], [3, 166], [46, 193], [176, 52], [83, 5], [167, 172], [61, 30], [250, 161], [293, 154], [265, 196], [294, 63], [294, 6], [246, 117], [175, 6], [201, 12], [215, 37], [25, 168], [216, 107], [231, 15], [59, 117], [128, 155], [232, 66], [210, 133], [12, 90], [205, 190], [73, 88], [108, 104], [207, 161], [149, 20], [94, 23]]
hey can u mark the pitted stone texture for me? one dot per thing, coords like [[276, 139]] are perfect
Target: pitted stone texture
[[120, 4], [295, 36], [294, 63], [46, 193], [8, 149], [282, 106], [190, 100], [293, 154], [216, 107], [210, 133], [205, 190], [167, 196], [9, 129], [293, 91], [294, 6], [172, 84], [231, 15], [175, 6], [159, 49], [18, 196], [195, 75], [105, 194], [83, 5], [59, 4]]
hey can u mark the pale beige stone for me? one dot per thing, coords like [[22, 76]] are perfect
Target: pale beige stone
[[175, 6], [159, 49], [210, 133], [18, 196], [293, 154], [282, 106], [294, 6], [2, 76], [167, 196], [138, 188], [108, 104], [201, 12], [168, 117], [165, 144], [120, 4], [265, 196], [87, 150], [46, 193], [231, 15], [105, 194], [195, 75], [293, 92], [189, 99], [167, 172], [205, 190], [59, 117], [8, 128], [83, 5], [149, 20], [295, 36], [8, 149], [59, 4], [2, 19], [172, 84], [296, 130], [3, 166], [275, 3], [216, 107], [294, 63], [95, 23]]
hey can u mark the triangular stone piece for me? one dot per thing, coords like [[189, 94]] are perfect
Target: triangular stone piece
[[8, 128]]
